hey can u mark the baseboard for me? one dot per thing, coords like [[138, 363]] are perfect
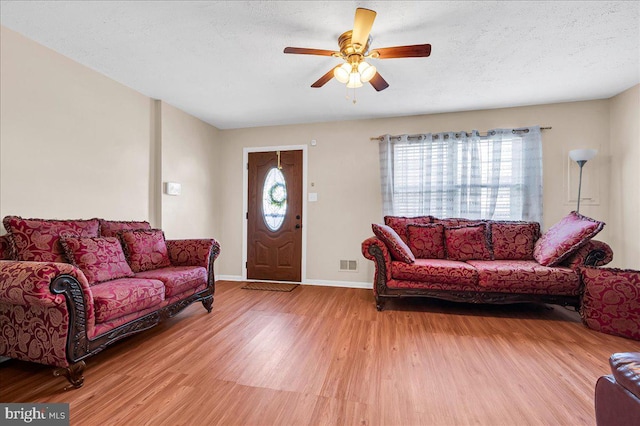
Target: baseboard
[[327, 283], [346, 284]]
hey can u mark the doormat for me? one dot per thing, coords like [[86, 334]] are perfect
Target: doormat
[[270, 286]]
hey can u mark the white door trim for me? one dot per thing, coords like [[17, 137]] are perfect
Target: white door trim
[[245, 201]]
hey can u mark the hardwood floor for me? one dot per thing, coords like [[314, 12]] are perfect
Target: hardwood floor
[[324, 355]]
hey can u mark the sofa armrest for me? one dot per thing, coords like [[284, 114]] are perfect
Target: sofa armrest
[[593, 253], [376, 250], [200, 252], [30, 283]]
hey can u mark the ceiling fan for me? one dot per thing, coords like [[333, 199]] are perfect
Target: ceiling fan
[[354, 49]]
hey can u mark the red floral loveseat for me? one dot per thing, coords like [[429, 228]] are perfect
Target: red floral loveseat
[[483, 261], [70, 288]]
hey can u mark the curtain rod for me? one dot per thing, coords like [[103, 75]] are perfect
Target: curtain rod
[[379, 138]]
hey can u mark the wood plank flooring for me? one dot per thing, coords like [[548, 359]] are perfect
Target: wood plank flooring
[[325, 356]]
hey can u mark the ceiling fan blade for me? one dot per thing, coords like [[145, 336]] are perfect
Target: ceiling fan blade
[[378, 82], [305, 51], [324, 79], [413, 51], [362, 27]]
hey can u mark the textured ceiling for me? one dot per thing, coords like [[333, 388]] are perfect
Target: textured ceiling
[[222, 61]]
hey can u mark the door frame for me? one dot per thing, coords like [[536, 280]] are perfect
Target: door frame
[[245, 200]]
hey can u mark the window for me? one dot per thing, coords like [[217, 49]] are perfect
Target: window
[[274, 199], [498, 176]]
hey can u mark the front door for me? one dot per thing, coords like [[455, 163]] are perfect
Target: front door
[[274, 219]]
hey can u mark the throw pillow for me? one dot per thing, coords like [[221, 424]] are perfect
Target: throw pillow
[[400, 223], [565, 237], [467, 242], [37, 240], [397, 248], [110, 228], [514, 240], [145, 249], [100, 259], [427, 241]]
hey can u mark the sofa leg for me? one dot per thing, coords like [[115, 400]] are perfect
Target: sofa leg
[[208, 303], [73, 373], [379, 303]]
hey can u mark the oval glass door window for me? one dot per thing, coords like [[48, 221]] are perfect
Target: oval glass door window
[[274, 199]]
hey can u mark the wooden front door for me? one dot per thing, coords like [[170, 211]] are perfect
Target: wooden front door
[[274, 219]]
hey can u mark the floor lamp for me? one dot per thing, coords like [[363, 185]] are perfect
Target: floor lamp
[[581, 156]]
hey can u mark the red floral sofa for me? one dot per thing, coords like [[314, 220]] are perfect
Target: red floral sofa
[[483, 261], [70, 288]]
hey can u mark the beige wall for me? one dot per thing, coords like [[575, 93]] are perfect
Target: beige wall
[[344, 170], [73, 143], [189, 157], [76, 144], [624, 222]]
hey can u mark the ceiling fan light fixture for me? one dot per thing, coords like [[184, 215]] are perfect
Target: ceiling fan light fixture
[[354, 80], [342, 72], [366, 71]]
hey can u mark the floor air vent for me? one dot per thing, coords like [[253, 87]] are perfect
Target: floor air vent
[[349, 265]]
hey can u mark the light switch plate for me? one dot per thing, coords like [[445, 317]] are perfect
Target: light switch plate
[[313, 196], [172, 188]]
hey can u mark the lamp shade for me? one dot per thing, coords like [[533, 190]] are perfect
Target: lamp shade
[[366, 71], [354, 80], [342, 73], [582, 154]]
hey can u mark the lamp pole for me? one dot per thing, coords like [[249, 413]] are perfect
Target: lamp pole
[[580, 163], [581, 156]]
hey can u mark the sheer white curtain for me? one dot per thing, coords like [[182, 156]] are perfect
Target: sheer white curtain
[[459, 174]]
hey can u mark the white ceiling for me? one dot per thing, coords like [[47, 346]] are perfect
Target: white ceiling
[[222, 61]]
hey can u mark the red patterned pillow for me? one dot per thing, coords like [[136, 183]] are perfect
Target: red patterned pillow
[[514, 240], [399, 224], [397, 248], [145, 249], [451, 222], [100, 259], [467, 242], [110, 228], [565, 237], [37, 240], [427, 241]]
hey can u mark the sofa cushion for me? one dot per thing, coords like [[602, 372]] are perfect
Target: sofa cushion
[[514, 240], [564, 238], [110, 228], [100, 259], [113, 299], [426, 241], [525, 276], [397, 248], [611, 301], [435, 270], [38, 239], [467, 242], [6, 249], [177, 279], [453, 222], [399, 224], [145, 249]]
